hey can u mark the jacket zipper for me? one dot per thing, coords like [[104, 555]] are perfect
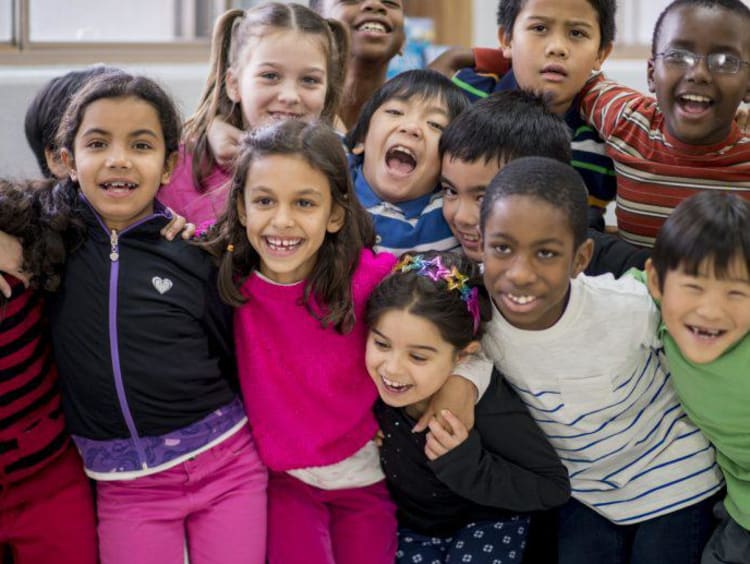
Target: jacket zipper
[[114, 257]]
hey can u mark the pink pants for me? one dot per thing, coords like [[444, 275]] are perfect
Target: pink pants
[[215, 503], [307, 525], [49, 517]]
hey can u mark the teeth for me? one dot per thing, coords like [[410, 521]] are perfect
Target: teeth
[[394, 385], [284, 243], [372, 26], [521, 300], [119, 185], [404, 150], [470, 238], [705, 332], [696, 98]]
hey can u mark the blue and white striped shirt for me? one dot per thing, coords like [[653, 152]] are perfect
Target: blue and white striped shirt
[[598, 385]]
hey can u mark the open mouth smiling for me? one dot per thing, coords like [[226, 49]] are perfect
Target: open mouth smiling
[[401, 159]]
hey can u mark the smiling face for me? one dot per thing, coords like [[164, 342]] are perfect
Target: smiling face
[[287, 210], [407, 358], [119, 159], [376, 27], [529, 260], [280, 75], [699, 105], [401, 159], [464, 184], [704, 314], [554, 44]]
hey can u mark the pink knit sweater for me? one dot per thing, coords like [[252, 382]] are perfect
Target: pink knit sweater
[[306, 389]]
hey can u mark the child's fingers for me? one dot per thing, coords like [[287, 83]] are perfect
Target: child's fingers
[[443, 435], [424, 420], [379, 436], [460, 433], [4, 287], [188, 231], [432, 448]]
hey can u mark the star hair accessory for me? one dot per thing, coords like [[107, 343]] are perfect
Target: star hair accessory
[[435, 270]]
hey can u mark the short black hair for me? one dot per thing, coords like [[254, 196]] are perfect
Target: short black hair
[[505, 126], [547, 179], [414, 83], [45, 112], [713, 226], [508, 10], [736, 6]]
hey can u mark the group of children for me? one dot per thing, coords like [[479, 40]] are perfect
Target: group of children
[[389, 342]]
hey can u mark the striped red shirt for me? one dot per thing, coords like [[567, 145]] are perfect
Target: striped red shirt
[[655, 171], [32, 429]]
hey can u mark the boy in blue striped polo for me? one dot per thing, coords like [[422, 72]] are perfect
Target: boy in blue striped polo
[[554, 46], [395, 163], [583, 353]]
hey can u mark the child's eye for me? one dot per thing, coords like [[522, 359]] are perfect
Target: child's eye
[[311, 80], [738, 294], [418, 358], [263, 201], [480, 198], [393, 112], [692, 287], [142, 145], [449, 193], [501, 249], [578, 34], [380, 343], [546, 254], [539, 28], [436, 125], [268, 75], [305, 203], [392, 4], [96, 144]]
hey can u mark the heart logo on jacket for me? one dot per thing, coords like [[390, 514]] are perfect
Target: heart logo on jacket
[[162, 285]]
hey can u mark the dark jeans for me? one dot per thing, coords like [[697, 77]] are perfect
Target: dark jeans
[[675, 538], [730, 543]]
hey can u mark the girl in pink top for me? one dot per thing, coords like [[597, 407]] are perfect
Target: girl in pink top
[[271, 62], [294, 260]]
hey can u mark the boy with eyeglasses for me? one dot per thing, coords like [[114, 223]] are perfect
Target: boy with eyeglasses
[[684, 141]]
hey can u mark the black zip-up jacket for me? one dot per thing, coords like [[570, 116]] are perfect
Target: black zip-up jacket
[[143, 343]]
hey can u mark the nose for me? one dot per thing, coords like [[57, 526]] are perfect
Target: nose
[[391, 365], [411, 126], [289, 92], [118, 157], [467, 215], [521, 272], [283, 217], [557, 46], [709, 308], [699, 71], [373, 6]]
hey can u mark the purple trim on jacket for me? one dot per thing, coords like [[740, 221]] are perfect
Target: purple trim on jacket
[[122, 455]]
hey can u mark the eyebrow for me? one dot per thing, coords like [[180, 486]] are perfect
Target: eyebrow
[[501, 235], [545, 19], [303, 192], [280, 65], [136, 133], [472, 189], [422, 347]]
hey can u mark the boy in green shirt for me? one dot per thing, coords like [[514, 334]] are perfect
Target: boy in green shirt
[[700, 272]]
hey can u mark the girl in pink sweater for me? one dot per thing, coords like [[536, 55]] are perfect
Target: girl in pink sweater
[[294, 260]]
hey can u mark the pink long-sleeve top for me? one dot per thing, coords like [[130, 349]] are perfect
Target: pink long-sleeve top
[[183, 197], [306, 389]]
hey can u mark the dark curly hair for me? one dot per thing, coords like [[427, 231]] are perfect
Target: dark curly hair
[[39, 214]]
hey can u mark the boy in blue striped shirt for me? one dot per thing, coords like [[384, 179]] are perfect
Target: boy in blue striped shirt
[[395, 163], [584, 356]]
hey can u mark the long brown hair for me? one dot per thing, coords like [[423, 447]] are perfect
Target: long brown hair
[[327, 294], [232, 35]]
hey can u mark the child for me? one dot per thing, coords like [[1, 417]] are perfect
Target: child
[[554, 45], [643, 478], [143, 347], [461, 501], [700, 272], [685, 140], [44, 113], [294, 260], [495, 130], [377, 34], [46, 507], [395, 163], [271, 62]]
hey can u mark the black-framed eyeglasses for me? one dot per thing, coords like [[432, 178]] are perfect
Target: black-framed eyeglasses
[[724, 63]]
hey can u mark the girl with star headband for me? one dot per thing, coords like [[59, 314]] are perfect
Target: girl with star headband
[[460, 493]]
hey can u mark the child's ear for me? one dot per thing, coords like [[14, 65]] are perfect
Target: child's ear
[[241, 213], [604, 52], [471, 348], [232, 86], [650, 75], [69, 163], [55, 163], [169, 165], [504, 40], [358, 149], [336, 219], [583, 256], [652, 280]]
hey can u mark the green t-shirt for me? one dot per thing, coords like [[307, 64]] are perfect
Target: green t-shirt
[[716, 397]]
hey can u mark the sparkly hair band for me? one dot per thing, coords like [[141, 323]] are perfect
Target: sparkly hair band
[[435, 270]]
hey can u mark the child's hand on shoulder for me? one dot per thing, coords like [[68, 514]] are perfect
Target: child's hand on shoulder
[[743, 119], [178, 225], [458, 396], [443, 438], [11, 262], [224, 140]]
